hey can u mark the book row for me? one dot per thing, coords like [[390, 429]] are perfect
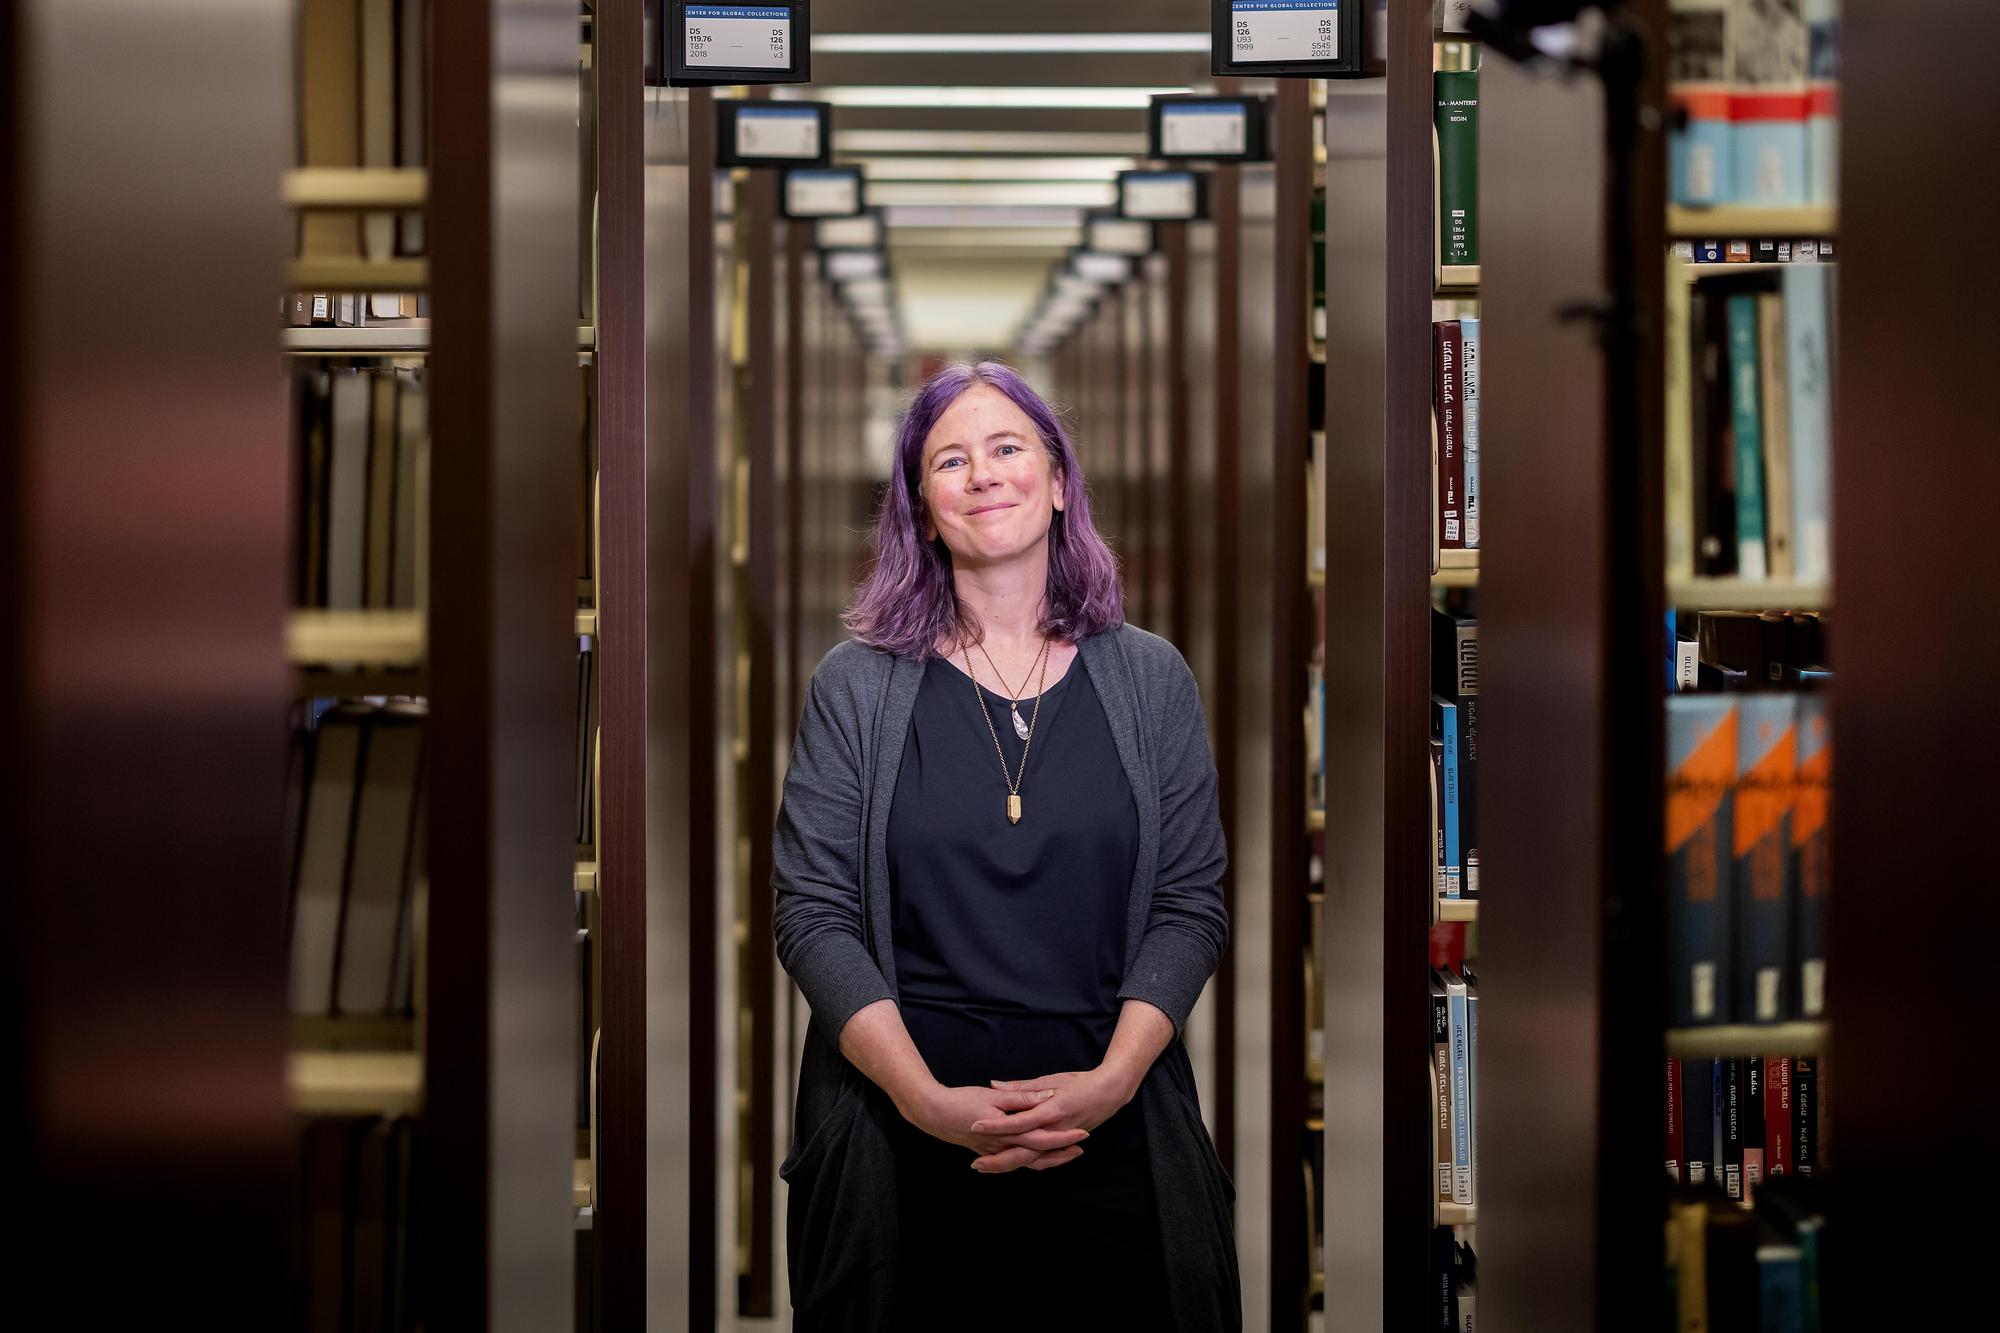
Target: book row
[[1748, 796], [1454, 754], [1454, 1282], [363, 442], [1455, 433], [1455, 1078], [358, 862], [1747, 1271], [1750, 379], [1738, 1123], [1734, 651], [1755, 90], [354, 1256], [363, 101]]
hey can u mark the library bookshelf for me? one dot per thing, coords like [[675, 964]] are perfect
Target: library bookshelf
[[1578, 744]]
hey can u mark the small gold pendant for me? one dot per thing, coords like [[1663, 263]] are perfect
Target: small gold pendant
[[1013, 809]]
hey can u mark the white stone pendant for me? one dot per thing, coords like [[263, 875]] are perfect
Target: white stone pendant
[[1020, 725]]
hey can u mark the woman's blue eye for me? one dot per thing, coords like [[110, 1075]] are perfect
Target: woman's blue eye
[[944, 463], [1010, 448]]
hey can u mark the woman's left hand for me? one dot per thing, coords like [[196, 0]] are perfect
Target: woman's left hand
[[1084, 1100]]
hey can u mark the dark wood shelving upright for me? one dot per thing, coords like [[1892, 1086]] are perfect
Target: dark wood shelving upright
[[1576, 924], [627, 710], [143, 502], [498, 1053], [1379, 282]]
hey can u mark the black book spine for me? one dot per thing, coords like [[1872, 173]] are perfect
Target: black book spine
[[1805, 1115], [1697, 1119], [1444, 1280], [1732, 1129]]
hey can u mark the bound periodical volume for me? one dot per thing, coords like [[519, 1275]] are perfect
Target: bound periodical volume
[[355, 1234], [1454, 1282], [364, 101], [1456, 145], [359, 859], [1455, 1067], [1747, 805], [1455, 430], [1755, 86], [363, 477], [1455, 751], [1749, 423]]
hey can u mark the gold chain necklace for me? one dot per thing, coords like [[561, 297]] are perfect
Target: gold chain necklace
[[1013, 695], [1012, 780]]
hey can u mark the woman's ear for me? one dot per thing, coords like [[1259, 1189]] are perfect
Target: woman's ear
[[1061, 485]]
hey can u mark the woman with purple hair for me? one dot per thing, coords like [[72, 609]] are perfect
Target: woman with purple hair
[[998, 866]]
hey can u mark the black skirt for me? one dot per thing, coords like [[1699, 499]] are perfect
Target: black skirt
[[1010, 946]]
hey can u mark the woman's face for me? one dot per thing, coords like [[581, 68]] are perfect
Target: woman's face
[[989, 488]]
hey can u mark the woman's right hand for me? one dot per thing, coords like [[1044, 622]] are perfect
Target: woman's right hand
[[949, 1114]]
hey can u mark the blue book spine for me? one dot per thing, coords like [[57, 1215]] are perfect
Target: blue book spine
[[1746, 419], [1823, 105], [1700, 154], [1780, 1290], [1697, 1119], [1472, 1076], [1468, 372], [1444, 715], [1461, 1094], [1809, 384]]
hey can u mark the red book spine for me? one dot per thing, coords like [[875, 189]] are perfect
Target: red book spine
[[1676, 1136], [1777, 1116], [1448, 407]]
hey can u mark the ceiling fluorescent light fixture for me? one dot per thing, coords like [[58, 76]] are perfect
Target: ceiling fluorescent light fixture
[[932, 168], [925, 215], [1101, 267], [1001, 97], [986, 194], [1008, 43], [1044, 142], [846, 265]]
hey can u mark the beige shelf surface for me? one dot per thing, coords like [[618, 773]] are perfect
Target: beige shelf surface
[[1742, 1039], [376, 339], [1316, 819], [586, 877], [586, 621], [357, 275], [1748, 595], [1458, 280], [377, 638], [356, 187], [1729, 223], [356, 1082], [583, 1186], [1458, 909], [1458, 1214]]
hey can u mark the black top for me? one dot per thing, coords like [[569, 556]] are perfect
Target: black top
[[1010, 938]]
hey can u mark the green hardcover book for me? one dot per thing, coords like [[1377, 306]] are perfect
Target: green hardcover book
[[1457, 128], [1746, 419]]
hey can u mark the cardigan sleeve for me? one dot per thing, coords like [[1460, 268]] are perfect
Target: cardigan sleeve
[[816, 859], [1186, 926]]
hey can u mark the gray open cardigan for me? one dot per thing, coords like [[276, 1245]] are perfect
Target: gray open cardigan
[[834, 938]]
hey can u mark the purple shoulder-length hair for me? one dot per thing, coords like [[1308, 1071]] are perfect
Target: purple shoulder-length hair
[[908, 602]]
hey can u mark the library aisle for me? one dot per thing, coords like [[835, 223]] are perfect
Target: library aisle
[[1486, 398]]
